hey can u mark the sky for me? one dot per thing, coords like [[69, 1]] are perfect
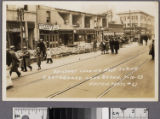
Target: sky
[[150, 7], [102, 6]]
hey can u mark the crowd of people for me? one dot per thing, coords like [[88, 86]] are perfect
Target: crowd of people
[[112, 44]]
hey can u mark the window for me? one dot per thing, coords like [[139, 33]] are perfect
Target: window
[[48, 17]]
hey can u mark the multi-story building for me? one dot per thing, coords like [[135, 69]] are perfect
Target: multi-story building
[[26, 24], [137, 22], [58, 26], [20, 26]]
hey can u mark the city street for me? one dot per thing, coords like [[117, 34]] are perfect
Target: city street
[[129, 74]]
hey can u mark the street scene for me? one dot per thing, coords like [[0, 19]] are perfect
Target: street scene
[[80, 113], [63, 52]]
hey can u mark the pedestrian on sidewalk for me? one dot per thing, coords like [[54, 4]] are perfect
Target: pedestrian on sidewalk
[[116, 46], [151, 49], [111, 43], [38, 56], [107, 47], [103, 47], [41, 44], [94, 45], [9, 82], [15, 62], [49, 56], [146, 39], [26, 60]]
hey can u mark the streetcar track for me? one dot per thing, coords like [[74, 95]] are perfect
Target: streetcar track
[[112, 67], [112, 86], [52, 68], [58, 66], [40, 79]]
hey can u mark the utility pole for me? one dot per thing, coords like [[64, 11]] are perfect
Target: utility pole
[[130, 24], [20, 14]]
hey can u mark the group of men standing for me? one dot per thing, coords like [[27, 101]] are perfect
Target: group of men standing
[[112, 44]]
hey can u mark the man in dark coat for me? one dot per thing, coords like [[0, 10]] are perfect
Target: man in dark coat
[[26, 59], [42, 47], [103, 47], [111, 43], [15, 62], [146, 39], [116, 46], [151, 52], [94, 45], [8, 58]]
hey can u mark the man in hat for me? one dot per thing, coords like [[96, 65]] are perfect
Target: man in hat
[[111, 43], [15, 62], [26, 59], [116, 46], [42, 47]]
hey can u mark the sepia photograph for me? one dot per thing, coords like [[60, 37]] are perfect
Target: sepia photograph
[[80, 51]]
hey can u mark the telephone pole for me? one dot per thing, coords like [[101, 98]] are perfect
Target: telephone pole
[[20, 14]]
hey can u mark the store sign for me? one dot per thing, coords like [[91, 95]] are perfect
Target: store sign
[[14, 30], [48, 27]]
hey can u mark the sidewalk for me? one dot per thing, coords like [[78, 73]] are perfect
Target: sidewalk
[[58, 62]]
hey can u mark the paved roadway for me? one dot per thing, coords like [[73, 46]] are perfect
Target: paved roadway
[[129, 74]]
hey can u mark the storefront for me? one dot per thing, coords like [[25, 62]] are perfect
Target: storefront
[[66, 36], [13, 35], [50, 34], [87, 35]]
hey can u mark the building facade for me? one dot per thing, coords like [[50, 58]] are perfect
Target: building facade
[[20, 26], [137, 22], [59, 26], [26, 24]]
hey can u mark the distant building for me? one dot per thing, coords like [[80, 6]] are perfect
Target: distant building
[[114, 29], [137, 22]]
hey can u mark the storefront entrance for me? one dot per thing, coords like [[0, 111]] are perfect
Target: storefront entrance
[[51, 38], [66, 37], [13, 38]]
